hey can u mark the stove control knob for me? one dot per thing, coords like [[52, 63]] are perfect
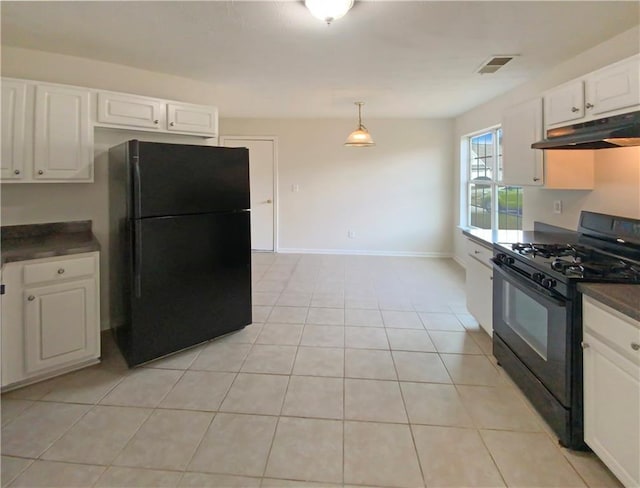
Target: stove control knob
[[537, 277], [509, 260], [501, 257], [548, 283]]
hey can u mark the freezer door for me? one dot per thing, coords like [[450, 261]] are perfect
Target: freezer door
[[192, 281], [180, 179]]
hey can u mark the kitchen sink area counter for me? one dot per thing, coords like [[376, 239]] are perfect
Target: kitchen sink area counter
[[36, 241], [50, 301], [542, 234]]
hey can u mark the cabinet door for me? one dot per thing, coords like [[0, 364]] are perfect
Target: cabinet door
[[614, 88], [63, 145], [564, 104], [13, 120], [130, 111], [479, 291], [521, 127], [196, 119], [611, 406], [61, 324]]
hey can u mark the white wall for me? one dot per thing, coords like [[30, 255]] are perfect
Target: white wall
[[613, 194], [395, 196]]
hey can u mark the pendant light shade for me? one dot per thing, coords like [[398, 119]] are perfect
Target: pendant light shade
[[360, 137], [328, 10]]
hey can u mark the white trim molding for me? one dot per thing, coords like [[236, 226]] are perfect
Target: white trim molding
[[460, 261], [355, 252], [276, 199]]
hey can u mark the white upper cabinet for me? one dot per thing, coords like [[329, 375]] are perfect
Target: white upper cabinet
[[521, 127], [63, 136], [142, 113], [130, 110], [613, 88], [197, 119], [564, 104], [14, 95]]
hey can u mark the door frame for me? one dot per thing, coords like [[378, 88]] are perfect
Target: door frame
[[276, 210]]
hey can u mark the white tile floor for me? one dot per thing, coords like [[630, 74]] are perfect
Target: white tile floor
[[357, 371]]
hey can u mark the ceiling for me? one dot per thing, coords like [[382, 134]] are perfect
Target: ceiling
[[273, 59]]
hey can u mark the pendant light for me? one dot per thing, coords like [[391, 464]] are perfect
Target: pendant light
[[360, 137], [328, 10]]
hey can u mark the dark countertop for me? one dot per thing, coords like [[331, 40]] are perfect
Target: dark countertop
[[623, 298], [542, 234], [35, 241]]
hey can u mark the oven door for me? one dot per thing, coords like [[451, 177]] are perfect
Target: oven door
[[535, 326]]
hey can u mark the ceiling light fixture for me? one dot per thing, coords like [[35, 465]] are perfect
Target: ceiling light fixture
[[360, 137], [328, 10]]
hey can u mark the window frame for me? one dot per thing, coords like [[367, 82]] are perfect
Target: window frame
[[468, 157]]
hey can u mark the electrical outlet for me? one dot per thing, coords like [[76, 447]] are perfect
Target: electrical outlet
[[557, 206], [351, 234]]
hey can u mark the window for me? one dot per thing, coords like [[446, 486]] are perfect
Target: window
[[490, 206]]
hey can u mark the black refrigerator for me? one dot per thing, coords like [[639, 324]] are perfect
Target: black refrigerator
[[180, 245]]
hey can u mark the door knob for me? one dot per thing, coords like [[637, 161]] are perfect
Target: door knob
[[61, 271], [575, 109], [589, 105], [268, 201], [635, 346], [31, 298]]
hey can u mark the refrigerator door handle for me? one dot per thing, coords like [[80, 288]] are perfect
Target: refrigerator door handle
[[137, 258], [137, 193]]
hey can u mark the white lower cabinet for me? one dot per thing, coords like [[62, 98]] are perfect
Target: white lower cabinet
[[479, 285], [50, 320], [611, 356]]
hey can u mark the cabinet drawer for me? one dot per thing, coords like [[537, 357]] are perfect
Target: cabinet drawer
[[58, 270], [618, 331], [479, 252]]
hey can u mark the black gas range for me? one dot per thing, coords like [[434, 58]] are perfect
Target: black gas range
[[537, 311]]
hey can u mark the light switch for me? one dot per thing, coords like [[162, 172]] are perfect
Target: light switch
[[557, 206]]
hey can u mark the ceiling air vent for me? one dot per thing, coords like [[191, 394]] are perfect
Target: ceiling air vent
[[494, 64]]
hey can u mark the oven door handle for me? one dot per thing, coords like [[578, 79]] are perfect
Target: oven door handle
[[541, 292]]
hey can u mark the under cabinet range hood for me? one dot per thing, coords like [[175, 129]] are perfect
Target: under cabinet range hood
[[616, 131]]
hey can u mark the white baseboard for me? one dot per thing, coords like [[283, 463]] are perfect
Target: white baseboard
[[355, 252], [460, 262]]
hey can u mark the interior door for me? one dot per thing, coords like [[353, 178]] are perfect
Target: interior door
[[262, 164]]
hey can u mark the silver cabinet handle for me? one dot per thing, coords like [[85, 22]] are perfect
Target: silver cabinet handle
[[40, 172], [16, 172], [172, 124], [31, 298], [61, 271], [156, 121], [635, 346], [589, 105], [584, 345], [575, 109]]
